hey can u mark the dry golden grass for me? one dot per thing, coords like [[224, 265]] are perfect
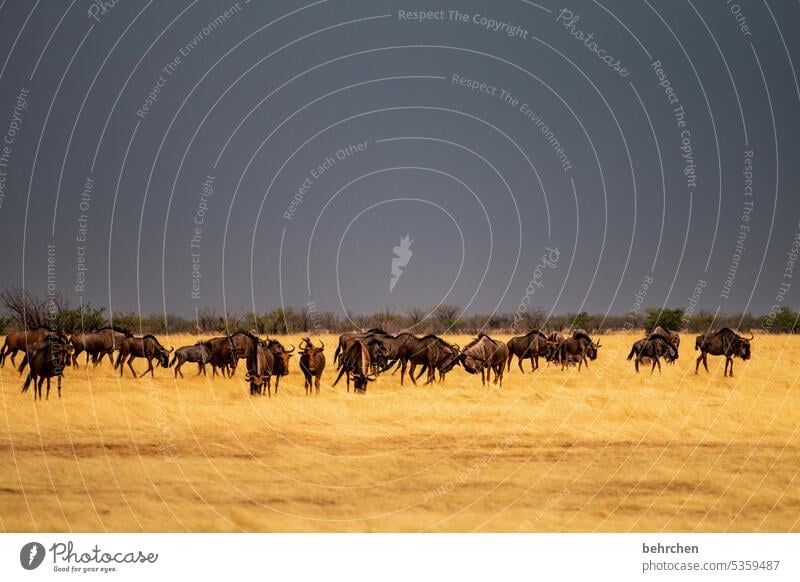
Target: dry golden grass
[[599, 450]]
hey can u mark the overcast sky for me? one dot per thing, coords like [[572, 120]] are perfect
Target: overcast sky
[[167, 156]]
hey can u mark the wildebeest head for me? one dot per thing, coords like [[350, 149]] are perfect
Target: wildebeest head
[[378, 355], [281, 355], [162, 355], [308, 349], [744, 348]]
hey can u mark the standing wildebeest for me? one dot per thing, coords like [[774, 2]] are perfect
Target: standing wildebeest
[[580, 346], [99, 343], [362, 358], [724, 342], [18, 341], [260, 366], [484, 354], [653, 348], [530, 346], [146, 347], [199, 353], [47, 360], [281, 358], [312, 363], [222, 355]]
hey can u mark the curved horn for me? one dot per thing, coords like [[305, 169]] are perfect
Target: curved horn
[[305, 341], [169, 351], [752, 337], [321, 344], [290, 351]]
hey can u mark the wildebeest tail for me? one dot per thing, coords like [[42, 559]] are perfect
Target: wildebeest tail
[[27, 382], [172, 363], [633, 353]]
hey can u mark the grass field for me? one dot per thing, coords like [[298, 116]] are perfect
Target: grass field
[[602, 449]]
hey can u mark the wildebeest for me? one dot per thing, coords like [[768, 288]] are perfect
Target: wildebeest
[[147, 347], [724, 342], [362, 359], [18, 341], [98, 343], [199, 353], [312, 363], [434, 355], [222, 355], [530, 346], [348, 337], [652, 348], [47, 359], [260, 366], [484, 354], [579, 346], [280, 357]]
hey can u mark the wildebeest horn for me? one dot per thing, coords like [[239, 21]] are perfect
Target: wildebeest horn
[[169, 351], [752, 337], [321, 344], [290, 351], [305, 341]]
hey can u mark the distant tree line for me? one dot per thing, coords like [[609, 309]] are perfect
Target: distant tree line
[[22, 309]]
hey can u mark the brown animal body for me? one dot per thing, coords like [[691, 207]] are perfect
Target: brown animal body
[[47, 359], [724, 342], [530, 346], [97, 344], [18, 341], [482, 355], [312, 364], [147, 347]]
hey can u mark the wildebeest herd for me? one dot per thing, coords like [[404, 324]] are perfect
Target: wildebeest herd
[[360, 356]]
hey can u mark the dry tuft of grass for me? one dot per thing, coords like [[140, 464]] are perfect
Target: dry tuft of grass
[[603, 449]]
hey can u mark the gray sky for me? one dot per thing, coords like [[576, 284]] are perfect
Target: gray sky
[[556, 132]]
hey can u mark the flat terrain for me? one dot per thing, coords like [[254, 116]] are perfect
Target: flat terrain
[[603, 449]]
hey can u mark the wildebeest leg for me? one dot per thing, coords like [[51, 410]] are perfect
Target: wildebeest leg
[[149, 367], [653, 369], [412, 368], [277, 381], [705, 360], [13, 355], [316, 381], [130, 365], [201, 367], [519, 362], [636, 363], [728, 360], [59, 387], [403, 365], [178, 369], [39, 387], [269, 388], [534, 363]]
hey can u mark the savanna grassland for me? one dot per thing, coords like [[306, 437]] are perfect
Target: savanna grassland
[[602, 449]]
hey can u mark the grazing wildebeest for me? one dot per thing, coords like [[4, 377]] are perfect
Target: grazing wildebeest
[[724, 342], [579, 346], [260, 366], [360, 360], [435, 355], [484, 354], [98, 343], [47, 360], [281, 358], [530, 346], [348, 337], [652, 348], [199, 353], [312, 363], [18, 341], [147, 347]]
